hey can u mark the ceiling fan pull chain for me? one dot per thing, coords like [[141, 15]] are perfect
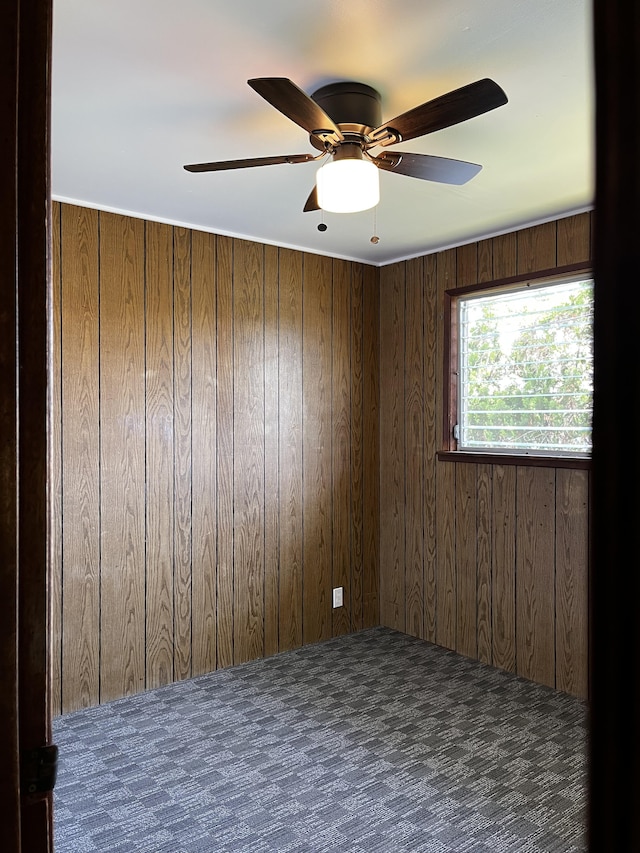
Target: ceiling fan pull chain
[[375, 239]]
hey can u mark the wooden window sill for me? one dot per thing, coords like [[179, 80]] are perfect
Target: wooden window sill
[[575, 462]]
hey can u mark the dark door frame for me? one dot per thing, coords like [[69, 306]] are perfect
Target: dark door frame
[[25, 202], [614, 788]]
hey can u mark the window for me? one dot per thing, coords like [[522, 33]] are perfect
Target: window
[[522, 368]]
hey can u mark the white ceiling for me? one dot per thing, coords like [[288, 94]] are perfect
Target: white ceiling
[[142, 87]]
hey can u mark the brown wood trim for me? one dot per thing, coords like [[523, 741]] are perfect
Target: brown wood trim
[[449, 381], [547, 275], [572, 462]]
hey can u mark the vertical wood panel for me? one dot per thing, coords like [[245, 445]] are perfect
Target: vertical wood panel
[[217, 532], [572, 581], [536, 248], [485, 260], [356, 448], [225, 450], [574, 239], [392, 461], [271, 443], [466, 559], [432, 439], [182, 543], [81, 459], [204, 442], [340, 442], [316, 384], [371, 447], [55, 464], [535, 606], [446, 606], [159, 454], [504, 255], [503, 567], [483, 561], [122, 455], [248, 441], [466, 492], [467, 264], [290, 449], [414, 449]]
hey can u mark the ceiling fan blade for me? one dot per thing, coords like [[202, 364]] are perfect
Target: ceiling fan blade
[[221, 165], [296, 105], [312, 202], [427, 167], [461, 104]]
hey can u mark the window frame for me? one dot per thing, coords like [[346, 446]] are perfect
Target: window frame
[[449, 447]]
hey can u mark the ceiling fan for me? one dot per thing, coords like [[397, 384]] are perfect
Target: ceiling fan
[[344, 123]]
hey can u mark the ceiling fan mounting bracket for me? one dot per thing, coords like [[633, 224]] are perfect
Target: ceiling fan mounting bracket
[[354, 107]]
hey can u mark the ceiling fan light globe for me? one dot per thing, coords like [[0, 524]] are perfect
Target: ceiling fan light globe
[[348, 186]]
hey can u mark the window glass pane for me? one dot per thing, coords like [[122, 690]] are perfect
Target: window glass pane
[[526, 369]]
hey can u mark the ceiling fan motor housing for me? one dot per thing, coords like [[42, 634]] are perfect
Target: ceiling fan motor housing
[[354, 107]]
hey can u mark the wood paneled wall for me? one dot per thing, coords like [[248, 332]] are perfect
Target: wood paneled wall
[[239, 428], [214, 452], [489, 560]]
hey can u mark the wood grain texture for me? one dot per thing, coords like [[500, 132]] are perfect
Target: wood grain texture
[[535, 610], [271, 456], [159, 454], [536, 248], [203, 442], [224, 451], [467, 264], [432, 406], [210, 426], [248, 442], [55, 463], [484, 507], [81, 456], [446, 571], [466, 559], [371, 447], [414, 448], [572, 582], [392, 438], [446, 604], [341, 443], [316, 384], [574, 239], [485, 260], [470, 536], [503, 567], [122, 670], [290, 499], [330, 375], [505, 255], [356, 513], [182, 489]]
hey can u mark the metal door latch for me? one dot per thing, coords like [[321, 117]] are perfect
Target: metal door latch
[[38, 769]]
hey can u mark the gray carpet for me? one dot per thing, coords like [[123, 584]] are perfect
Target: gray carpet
[[371, 743]]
